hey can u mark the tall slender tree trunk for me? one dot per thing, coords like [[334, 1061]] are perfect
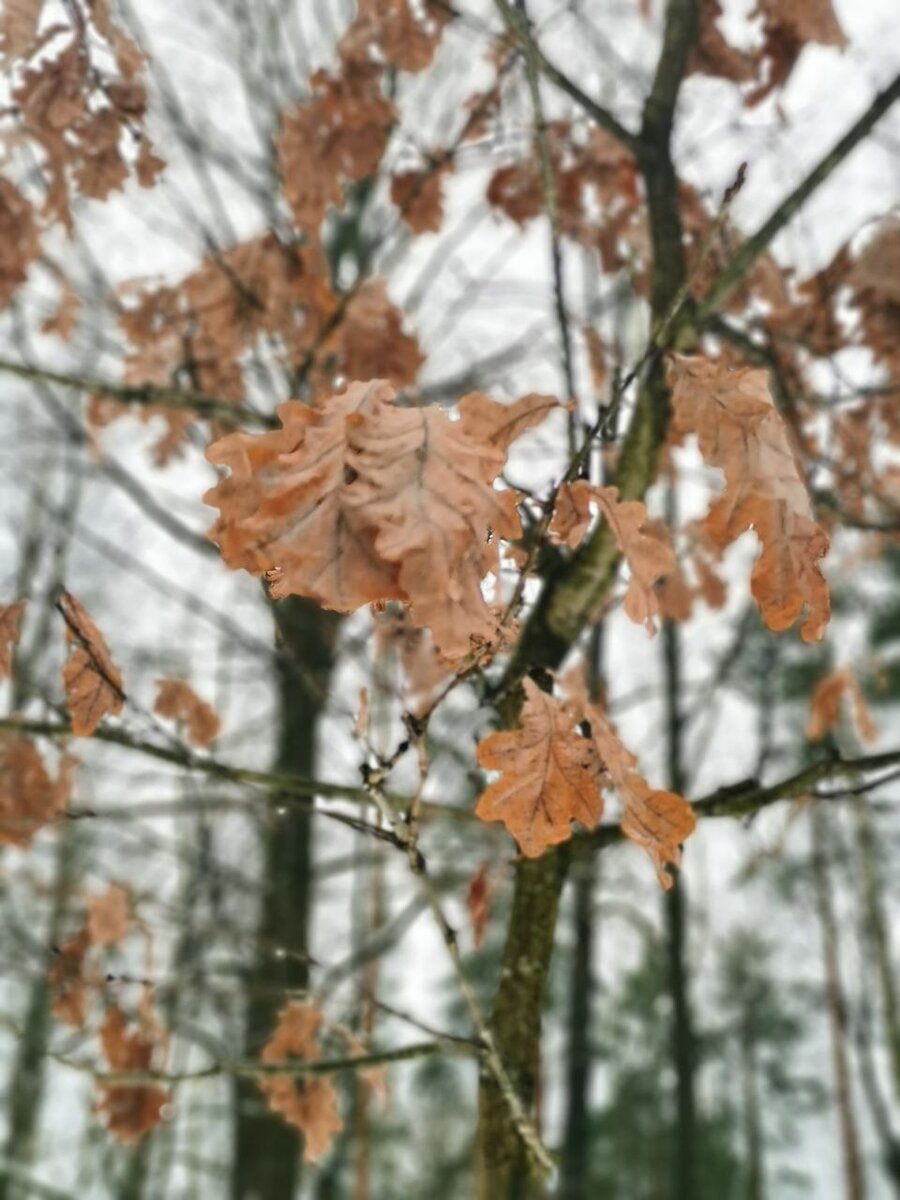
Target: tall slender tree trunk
[[836, 1004], [26, 1086], [877, 932], [267, 1152], [753, 1130], [576, 1146], [683, 1040]]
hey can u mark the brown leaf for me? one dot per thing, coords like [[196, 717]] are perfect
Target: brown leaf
[[336, 137], [649, 557], [741, 432], [712, 54], [309, 1104], [825, 705], [19, 21], [129, 1111], [93, 682], [29, 797], [419, 196], [392, 30], [657, 821], [109, 916], [787, 27], [571, 514], [372, 341], [67, 983], [548, 776], [361, 501], [10, 622], [64, 321], [19, 240], [478, 904], [178, 701]]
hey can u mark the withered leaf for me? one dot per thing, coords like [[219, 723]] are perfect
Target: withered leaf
[[178, 700], [549, 775], [649, 557], [309, 1104], [29, 797], [741, 432], [658, 821], [825, 705], [10, 622], [93, 682], [109, 915], [129, 1111], [360, 501], [67, 982]]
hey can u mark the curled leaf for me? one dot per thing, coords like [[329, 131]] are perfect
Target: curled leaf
[[92, 680], [741, 432]]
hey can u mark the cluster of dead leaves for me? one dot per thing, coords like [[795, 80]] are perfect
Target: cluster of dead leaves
[[196, 335], [740, 432], [361, 501], [86, 119], [553, 770], [77, 978], [30, 797], [596, 188], [787, 26], [339, 135], [308, 1103]]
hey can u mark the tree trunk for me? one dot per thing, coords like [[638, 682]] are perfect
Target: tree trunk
[[753, 1133], [576, 1153], [26, 1085], [675, 913], [267, 1151], [836, 1004], [877, 932]]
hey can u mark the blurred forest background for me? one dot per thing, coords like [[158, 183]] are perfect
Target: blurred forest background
[[733, 1039]]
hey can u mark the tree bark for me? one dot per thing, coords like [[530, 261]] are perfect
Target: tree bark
[[836, 1004], [266, 1163], [576, 1142]]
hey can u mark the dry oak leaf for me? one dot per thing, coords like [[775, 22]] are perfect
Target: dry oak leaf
[[360, 501], [549, 775], [787, 27], [741, 432], [390, 30], [825, 706], [109, 916], [419, 196], [309, 1104], [19, 22], [67, 982], [92, 680], [657, 821], [178, 700], [371, 340], [29, 797], [10, 622], [129, 1111], [712, 53], [19, 240], [649, 558], [336, 137]]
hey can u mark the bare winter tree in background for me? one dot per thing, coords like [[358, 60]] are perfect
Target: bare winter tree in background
[[448, 599]]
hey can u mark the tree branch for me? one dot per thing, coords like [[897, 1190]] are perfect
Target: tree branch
[[736, 268]]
